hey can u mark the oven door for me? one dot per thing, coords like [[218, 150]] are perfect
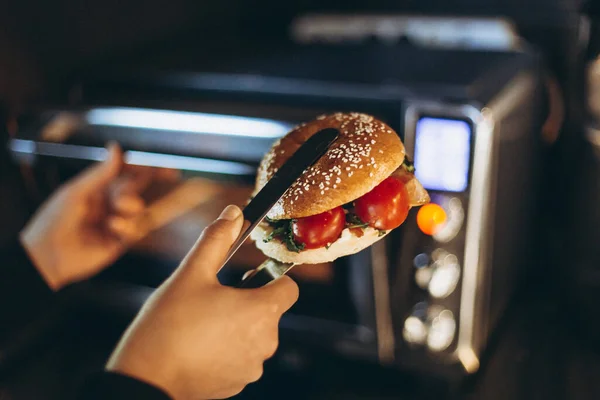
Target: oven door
[[343, 305]]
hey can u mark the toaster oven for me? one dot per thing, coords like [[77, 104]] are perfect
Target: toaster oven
[[471, 121]]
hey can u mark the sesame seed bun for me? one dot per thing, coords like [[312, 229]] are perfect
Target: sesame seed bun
[[348, 243], [367, 152]]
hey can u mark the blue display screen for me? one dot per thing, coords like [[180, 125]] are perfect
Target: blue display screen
[[442, 153]]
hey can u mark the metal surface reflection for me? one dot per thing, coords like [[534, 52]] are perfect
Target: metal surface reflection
[[184, 121]]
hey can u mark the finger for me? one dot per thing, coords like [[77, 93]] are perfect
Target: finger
[[127, 229], [127, 204], [135, 181], [209, 252], [167, 174], [124, 194], [100, 175], [282, 293], [215, 241]]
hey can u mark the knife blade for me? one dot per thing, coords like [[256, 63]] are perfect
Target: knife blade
[[266, 272], [308, 154]]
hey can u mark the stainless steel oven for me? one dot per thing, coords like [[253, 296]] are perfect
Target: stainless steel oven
[[471, 120]]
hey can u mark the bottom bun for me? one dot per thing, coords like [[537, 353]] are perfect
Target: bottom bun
[[347, 244]]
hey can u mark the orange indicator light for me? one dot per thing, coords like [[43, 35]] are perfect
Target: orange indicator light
[[430, 218]]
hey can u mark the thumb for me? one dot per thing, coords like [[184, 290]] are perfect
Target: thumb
[[209, 252], [103, 173], [282, 293]]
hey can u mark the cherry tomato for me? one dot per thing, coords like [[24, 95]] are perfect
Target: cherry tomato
[[319, 230], [386, 206]]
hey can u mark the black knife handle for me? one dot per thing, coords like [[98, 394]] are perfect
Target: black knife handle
[[309, 153], [267, 272]]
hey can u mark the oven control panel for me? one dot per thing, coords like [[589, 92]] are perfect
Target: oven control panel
[[433, 280], [427, 289]]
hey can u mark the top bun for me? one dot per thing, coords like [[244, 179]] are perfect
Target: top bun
[[366, 153]]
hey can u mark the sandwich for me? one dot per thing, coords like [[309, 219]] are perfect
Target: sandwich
[[353, 196]]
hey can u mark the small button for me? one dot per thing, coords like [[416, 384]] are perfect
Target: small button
[[431, 218], [420, 309], [421, 260]]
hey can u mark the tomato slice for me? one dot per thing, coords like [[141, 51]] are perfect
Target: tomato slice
[[319, 230], [386, 206]]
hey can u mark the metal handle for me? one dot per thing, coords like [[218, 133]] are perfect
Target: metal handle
[[267, 272]]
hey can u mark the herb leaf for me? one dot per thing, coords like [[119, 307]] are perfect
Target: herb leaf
[[272, 221], [276, 233], [408, 164], [292, 245], [352, 221], [282, 230]]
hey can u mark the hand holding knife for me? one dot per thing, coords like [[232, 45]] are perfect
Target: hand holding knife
[[254, 213]]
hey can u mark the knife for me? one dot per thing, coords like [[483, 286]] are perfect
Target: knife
[[310, 151], [267, 271]]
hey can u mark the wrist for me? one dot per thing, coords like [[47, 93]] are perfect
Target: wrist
[[40, 259], [143, 372]]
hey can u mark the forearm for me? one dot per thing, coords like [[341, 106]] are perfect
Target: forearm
[[24, 295], [113, 386]]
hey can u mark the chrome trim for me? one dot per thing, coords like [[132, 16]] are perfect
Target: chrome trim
[[186, 121], [429, 31], [475, 238], [383, 309], [285, 86], [481, 213], [28, 148]]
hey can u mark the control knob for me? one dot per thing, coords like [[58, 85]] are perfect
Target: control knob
[[430, 326], [439, 274]]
